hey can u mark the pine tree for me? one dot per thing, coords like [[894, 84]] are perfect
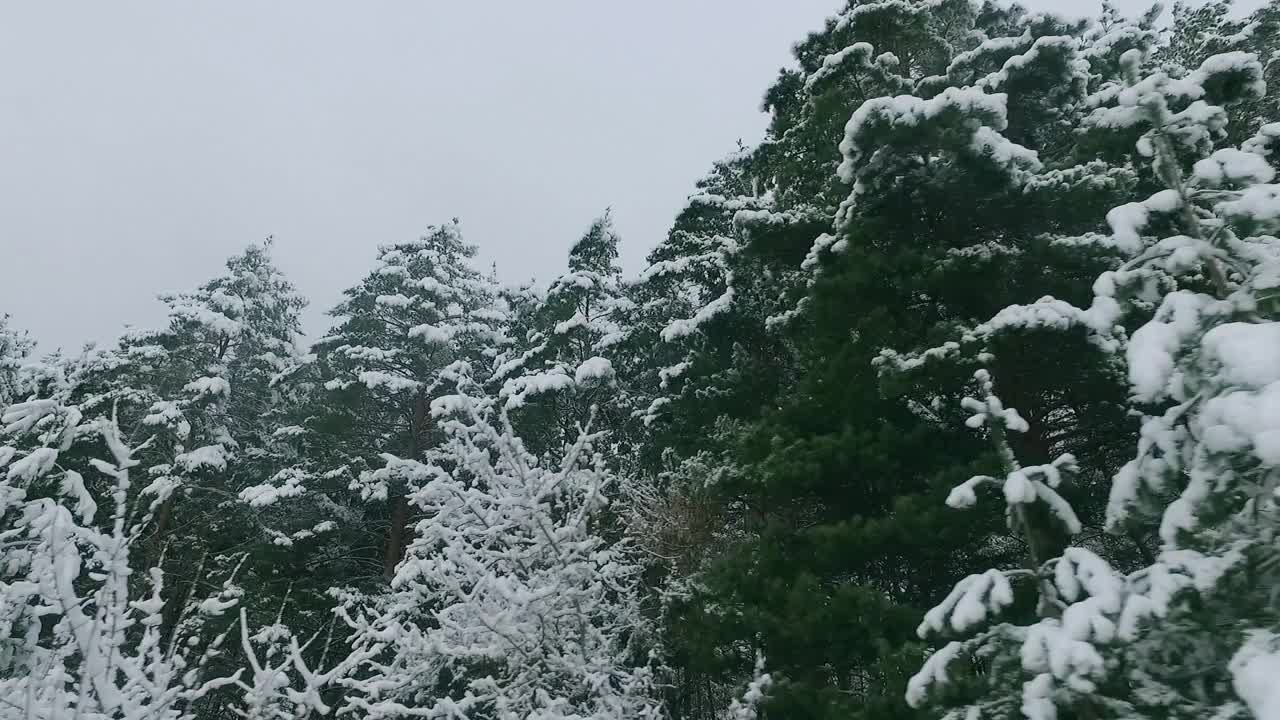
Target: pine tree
[[201, 388], [1185, 635], [404, 333], [560, 366], [207, 378], [15, 348], [959, 144]]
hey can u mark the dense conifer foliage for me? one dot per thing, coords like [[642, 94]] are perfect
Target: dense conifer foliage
[[957, 396]]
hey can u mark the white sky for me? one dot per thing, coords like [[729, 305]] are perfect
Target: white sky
[[145, 141]]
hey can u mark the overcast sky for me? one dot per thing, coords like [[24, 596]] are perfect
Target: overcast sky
[[144, 142]]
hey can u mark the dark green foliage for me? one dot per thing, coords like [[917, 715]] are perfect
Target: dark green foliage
[[784, 379]]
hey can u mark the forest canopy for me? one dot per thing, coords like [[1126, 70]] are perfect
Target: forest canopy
[[957, 396]]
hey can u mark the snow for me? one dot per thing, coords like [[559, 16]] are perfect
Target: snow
[[1023, 486], [1060, 508], [1009, 155], [1246, 418], [1049, 648], [208, 387], [1255, 674], [667, 374], [814, 256], [909, 111], [674, 267], [858, 53], [963, 495], [432, 333], [1257, 204], [162, 488], [982, 252], [1037, 698], [1152, 348], [684, 327], [1127, 221], [337, 384], [374, 379], [214, 320], [216, 606], [969, 604], [576, 321], [933, 672], [286, 484], [518, 390], [20, 418], [1232, 166], [1044, 51], [213, 457], [73, 487], [1247, 354], [35, 464], [368, 354], [988, 48], [596, 369], [1018, 489], [1045, 313], [223, 301], [288, 431], [1215, 67], [497, 581], [1264, 143], [747, 707]]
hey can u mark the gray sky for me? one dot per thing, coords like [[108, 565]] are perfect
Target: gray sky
[[144, 142]]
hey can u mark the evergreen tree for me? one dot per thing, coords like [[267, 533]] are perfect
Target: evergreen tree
[[403, 334], [717, 489], [560, 367], [15, 348], [952, 184], [1185, 635]]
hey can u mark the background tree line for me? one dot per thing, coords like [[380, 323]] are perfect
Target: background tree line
[[976, 246]]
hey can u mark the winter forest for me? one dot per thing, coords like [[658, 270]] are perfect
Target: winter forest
[[957, 396]]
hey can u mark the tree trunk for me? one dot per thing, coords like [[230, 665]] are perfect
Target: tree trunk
[[398, 499], [164, 518], [395, 536]]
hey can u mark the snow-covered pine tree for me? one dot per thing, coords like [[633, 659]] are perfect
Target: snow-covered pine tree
[[689, 282], [696, 355], [1198, 30], [510, 602], [208, 376], [403, 332], [937, 229], [15, 349], [1190, 634], [201, 389], [561, 366]]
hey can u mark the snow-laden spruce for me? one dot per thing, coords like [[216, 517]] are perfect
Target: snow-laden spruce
[[1203, 373], [511, 601], [15, 347], [400, 335], [560, 364]]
